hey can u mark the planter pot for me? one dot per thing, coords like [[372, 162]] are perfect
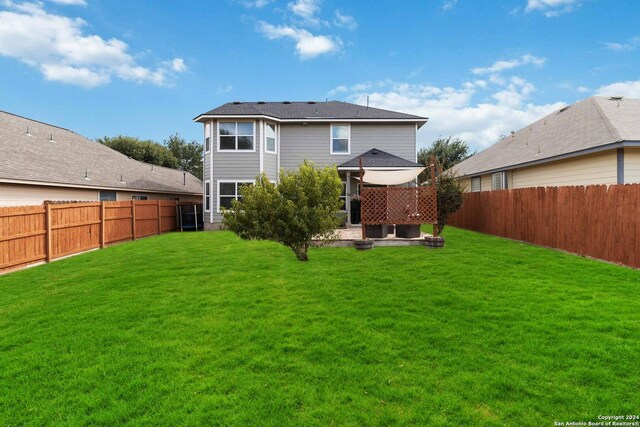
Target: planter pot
[[364, 245], [434, 242], [408, 231], [376, 231]]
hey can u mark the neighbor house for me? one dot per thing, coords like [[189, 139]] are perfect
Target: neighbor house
[[594, 141], [41, 162], [243, 139]]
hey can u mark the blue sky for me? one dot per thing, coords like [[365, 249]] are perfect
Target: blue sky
[[477, 69]]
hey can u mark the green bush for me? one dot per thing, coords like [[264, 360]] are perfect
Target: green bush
[[303, 205]]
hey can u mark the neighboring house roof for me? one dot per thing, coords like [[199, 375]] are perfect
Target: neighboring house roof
[[591, 125], [66, 160], [375, 158], [311, 110]]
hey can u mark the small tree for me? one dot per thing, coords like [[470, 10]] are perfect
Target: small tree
[[143, 150], [303, 205], [450, 195], [448, 152]]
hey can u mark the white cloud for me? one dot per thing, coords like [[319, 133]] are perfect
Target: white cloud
[[57, 46], [628, 89], [552, 8], [70, 2], [631, 44], [307, 45], [502, 65], [258, 4], [478, 111], [346, 21], [225, 89], [583, 89], [306, 9], [448, 4]]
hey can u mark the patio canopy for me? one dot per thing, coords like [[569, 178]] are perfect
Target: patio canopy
[[391, 177]]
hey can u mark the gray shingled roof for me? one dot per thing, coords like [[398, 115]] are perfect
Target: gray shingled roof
[[309, 110], [590, 124], [375, 158], [35, 158]]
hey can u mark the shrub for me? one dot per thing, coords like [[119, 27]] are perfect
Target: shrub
[[303, 205]]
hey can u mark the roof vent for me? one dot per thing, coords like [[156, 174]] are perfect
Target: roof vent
[[564, 109], [28, 131], [374, 151], [86, 175], [311, 102], [261, 102], [616, 98], [51, 138], [286, 102], [121, 180], [237, 102]]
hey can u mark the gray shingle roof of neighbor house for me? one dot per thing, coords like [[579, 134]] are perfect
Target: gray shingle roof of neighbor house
[[311, 110], [33, 157], [375, 158], [593, 124]]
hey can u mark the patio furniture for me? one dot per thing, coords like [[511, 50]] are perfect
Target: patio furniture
[[407, 231]]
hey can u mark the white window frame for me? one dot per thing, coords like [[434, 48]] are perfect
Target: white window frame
[[207, 183], [228, 181], [479, 178], [275, 132], [503, 180], [348, 152], [207, 135], [139, 197], [236, 150], [345, 197]]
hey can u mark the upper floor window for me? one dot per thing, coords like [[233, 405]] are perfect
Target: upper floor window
[[499, 181], [207, 137], [236, 136], [340, 139], [476, 184], [270, 138]]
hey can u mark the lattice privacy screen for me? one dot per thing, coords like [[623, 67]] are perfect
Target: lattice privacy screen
[[398, 205]]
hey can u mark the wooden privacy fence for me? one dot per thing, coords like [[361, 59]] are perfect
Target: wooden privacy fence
[[30, 234], [598, 221]]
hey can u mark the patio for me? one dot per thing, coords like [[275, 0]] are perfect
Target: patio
[[346, 237]]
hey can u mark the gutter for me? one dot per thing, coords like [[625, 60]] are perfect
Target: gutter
[[92, 187]]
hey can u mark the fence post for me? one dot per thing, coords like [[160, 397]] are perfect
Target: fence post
[[133, 219], [159, 218], [103, 225], [432, 168], [49, 236]]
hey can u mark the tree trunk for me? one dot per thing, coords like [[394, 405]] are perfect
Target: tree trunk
[[301, 252]]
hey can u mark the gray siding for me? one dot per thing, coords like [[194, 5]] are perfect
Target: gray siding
[[206, 176], [311, 142], [271, 165]]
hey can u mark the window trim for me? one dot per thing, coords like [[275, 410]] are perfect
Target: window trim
[[228, 181], [348, 152], [275, 131], [115, 194], [345, 197], [236, 150], [479, 178], [207, 183], [140, 197]]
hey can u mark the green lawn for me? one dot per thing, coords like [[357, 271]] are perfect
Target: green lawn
[[188, 329]]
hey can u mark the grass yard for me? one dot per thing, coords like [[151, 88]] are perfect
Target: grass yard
[[188, 329]]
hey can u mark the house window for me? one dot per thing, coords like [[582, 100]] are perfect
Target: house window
[[107, 196], [175, 198], [207, 138], [476, 183], [207, 196], [498, 181], [340, 139], [270, 138], [343, 197], [236, 136], [228, 191], [136, 197]]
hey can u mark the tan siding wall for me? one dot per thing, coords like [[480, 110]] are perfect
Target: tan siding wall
[[600, 168], [632, 165], [485, 183], [126, 195], [19, 195]]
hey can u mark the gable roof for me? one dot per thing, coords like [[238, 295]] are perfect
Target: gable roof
[[593, 124], [64, 161], [375, 158], [311, 110]]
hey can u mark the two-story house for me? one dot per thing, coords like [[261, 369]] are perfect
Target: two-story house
[[244, 139]]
